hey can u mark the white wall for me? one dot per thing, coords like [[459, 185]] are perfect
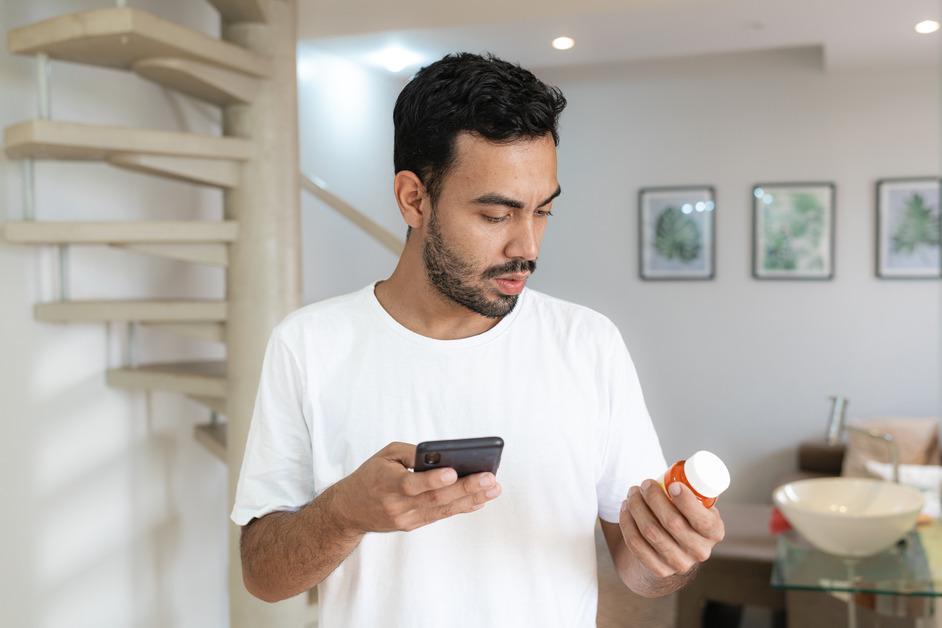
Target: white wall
[[345, 121], [113, 515], [737, 365], [740, 366]]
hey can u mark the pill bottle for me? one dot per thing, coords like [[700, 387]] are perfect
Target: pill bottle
[[703, 473]]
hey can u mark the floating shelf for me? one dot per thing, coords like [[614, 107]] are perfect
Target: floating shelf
[[212, 436], [120, 37], [241, 10], [203, 379], [117, 232], [143, 311], [49, 139]]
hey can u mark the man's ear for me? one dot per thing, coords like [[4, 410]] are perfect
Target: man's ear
[[411, 197]]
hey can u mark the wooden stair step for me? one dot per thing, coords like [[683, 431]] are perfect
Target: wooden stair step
[[215, 172], [51, 139], [201, 80], [119, 37], [117, 232], [216, 404], [215, 332], [212, 254], [204, 379], [132, 310], [241, 10], [212, 436]]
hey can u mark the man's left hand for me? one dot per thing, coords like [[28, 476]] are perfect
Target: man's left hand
[[669, 536]]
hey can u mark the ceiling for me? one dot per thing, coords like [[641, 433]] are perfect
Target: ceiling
[[851, 33]]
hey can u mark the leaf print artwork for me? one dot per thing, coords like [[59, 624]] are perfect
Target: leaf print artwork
[[678, 236], [909, 233], [793, 231], [675, 229]]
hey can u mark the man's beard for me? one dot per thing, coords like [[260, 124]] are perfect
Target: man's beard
[[456, 279]]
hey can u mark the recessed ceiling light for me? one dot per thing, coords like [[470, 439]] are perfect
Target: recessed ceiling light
[[927, 26], [563, 43], [396, 59]]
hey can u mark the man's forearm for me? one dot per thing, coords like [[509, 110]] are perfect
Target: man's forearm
[[634, 574], [640, 580], [286, 553]]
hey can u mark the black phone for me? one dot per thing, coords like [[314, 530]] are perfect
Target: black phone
[[464, 455]]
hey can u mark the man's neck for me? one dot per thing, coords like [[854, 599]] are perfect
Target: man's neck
[[416, 305]]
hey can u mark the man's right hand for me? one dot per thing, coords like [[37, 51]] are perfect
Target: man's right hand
[[384, 495]]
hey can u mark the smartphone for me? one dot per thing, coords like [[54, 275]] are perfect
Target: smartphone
[[464, 455]]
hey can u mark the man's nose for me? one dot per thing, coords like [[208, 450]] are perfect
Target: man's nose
[[525, 243]]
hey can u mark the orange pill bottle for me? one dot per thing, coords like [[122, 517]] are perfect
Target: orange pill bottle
[[703, 473]]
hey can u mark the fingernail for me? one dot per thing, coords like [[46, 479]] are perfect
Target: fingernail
[[494, 492], [487, 480], [624, 505], [449, 476], [674, 489], [646, 485]]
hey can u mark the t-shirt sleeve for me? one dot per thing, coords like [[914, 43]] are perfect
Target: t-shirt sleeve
[[277, 468], [632, 451]]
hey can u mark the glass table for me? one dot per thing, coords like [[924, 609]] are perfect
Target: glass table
[[902, 581]]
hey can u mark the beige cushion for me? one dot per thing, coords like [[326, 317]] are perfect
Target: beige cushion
[[917, 439]]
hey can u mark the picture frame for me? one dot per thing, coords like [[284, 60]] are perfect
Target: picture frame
[[677, 233], [793, 230], [908, 228]]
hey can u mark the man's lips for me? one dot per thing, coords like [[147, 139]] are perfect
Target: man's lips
[[512, 284], [518, 277]]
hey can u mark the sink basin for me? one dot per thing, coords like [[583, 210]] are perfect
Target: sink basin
[[849, 516]]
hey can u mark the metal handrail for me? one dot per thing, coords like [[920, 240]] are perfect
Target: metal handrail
[[884, 437], [351, 213]]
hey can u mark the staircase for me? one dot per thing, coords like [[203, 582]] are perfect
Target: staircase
[[250, 74]]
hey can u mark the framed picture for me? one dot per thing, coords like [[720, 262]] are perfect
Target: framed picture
[[793, 231], [908, 228], [676, 232]]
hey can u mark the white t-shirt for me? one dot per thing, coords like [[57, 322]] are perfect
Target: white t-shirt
[[342, 379]]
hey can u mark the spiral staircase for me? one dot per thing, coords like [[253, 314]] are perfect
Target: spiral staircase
[[250, 74]]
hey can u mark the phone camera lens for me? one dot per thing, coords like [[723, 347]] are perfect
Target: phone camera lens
[[433, 458]]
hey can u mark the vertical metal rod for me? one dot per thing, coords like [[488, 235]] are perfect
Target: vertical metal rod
[[129, 344], [42, 76], [29, 191], [45, 111], [63, 272]]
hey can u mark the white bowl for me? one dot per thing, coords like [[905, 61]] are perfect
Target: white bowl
[[849, 516]]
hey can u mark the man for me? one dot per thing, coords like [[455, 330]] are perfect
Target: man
[[453, 345]]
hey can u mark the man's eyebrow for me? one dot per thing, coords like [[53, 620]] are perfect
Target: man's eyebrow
[[500, 199]]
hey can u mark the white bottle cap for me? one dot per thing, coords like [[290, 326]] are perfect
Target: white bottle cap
[[706, 473]]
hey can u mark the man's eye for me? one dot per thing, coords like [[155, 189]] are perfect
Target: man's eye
[[545, 213], [493, 219]]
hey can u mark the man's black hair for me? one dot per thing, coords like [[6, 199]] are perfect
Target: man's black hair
[[464, 92]]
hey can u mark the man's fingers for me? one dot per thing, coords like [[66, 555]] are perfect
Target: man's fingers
[[466, 503], [706, 522], [468, 485], [655, 534], [403, 453], [413, 484], [669, 513], [641, 548]]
